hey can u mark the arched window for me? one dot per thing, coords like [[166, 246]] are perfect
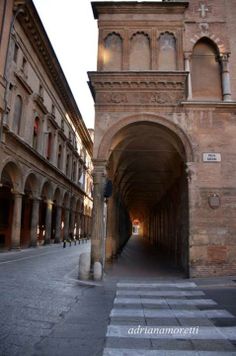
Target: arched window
[[59, 156], [112, 52], [140, 56], [17, 114], [167, 52], [74, 171], [49, 146], [36, 133], [67, 164], [206, 72]]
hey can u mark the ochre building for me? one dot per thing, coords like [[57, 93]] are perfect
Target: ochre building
[[165, 130], [45, 153]]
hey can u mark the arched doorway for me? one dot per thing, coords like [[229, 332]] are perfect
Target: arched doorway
[[10, 206], [147, 167]]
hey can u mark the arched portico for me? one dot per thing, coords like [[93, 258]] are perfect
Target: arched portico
[[145, 157], [11, 204]]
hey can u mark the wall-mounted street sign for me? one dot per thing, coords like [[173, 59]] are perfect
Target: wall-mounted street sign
[[211, 157]]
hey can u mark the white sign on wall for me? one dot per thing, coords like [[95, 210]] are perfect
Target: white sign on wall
[[211, 157]]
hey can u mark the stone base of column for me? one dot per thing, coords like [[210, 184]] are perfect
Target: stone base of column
[[15, 248], [47, 242], [33, 244]]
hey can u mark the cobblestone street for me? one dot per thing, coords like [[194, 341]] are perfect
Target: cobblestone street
[[46, 311], [39, 291]]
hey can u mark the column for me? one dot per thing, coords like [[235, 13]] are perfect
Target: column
[[66, 223], [224, 58], [98, 238], [72, 222], [78, 222], [16, 221], [58, 224], [187, 69], [34, 222], [48, 222]]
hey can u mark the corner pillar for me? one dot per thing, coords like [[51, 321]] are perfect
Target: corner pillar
[[98, 227]]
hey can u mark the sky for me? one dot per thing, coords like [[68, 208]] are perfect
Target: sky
[[72, 30]]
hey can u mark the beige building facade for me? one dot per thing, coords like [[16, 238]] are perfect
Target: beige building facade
[[165, 131], [45, 153]]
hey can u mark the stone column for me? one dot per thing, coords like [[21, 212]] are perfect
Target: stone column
[[78, 222], [97, 240], [58, 225], [187, 69], [72, 222], [34, 222], [16, 221], [66, 223], [48, 223], [224, 59]]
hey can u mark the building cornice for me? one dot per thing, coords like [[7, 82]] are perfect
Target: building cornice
[[135, 7], [33, 27], [129, 88]]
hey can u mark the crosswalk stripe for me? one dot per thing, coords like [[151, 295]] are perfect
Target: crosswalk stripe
[[170, 332], [160, 301], [157, 285], [134, 352], [170, 313], [160, 293], [169, 303]]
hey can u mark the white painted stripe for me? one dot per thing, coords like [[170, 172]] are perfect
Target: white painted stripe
[[160, 301], [172, 332], [140, 301], [157, 285], [170, 313], [138, 352], [167, 293], [127, 313]]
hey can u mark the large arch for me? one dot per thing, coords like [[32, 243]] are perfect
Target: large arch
[[31, 193], [106, 142], [146, 161], [10, 203]]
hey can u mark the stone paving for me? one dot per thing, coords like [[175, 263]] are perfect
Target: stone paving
[[46, 311], [141, 324]]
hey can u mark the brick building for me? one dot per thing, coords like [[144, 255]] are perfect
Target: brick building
[[165, 130], [45, 153]]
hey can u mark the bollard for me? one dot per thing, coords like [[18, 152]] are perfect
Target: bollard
[[97, 271], [84, 265]]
